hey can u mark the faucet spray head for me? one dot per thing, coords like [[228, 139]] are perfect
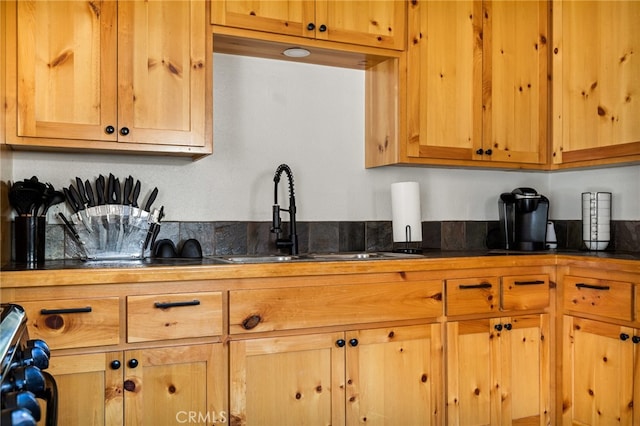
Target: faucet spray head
[[276, 223]]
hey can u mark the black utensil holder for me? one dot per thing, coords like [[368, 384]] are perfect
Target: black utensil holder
[[29, 239]]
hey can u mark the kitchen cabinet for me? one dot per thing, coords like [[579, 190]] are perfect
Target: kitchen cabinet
[[119, 76], [294, 372], [599, 349], [370, 23], [378, 376], [131, 357], [476, 87], [595, 108], [139, 387], [498, 367]]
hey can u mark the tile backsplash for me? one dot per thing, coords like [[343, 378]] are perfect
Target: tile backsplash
[[225, 238]]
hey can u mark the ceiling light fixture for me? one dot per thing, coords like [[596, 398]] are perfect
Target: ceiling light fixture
[[296, 52]]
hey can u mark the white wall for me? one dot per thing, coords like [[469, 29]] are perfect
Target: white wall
[[312, 118]]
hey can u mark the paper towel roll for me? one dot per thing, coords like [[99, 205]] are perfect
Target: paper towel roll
[[405, 208]]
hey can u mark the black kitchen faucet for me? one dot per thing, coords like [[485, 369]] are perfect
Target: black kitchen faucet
[[292, 242]]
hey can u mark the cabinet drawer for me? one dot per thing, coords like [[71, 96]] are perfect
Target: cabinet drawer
[[319, 306], [525, 292], [74, 323], [605, 298], [173, 316], [472, 295]]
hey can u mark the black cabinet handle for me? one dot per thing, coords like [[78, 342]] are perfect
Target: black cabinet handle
[[508, 326], [635, 339], [322, 28], [498, 327], [488, 152], [534, 282], [109, 130], [133, 363], [624, 336], [65, 311], [593, 286], [115, 364], [124, 131], [165, 305], [480, 151], [340, 343], [353, 342], [311, 26], [472, 286]]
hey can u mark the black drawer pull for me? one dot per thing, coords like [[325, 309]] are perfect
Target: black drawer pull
[[535, 282], [165, 305], [593, 286], [472, 286], [65, 311]]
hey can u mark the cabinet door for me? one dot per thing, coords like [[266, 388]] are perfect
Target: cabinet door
[[89, 389], [294, 380], [444, 64], [162, 72], [498, 371], [167, 385], [289, 17], [597, 373], [514, 61], [65, 65], [394, 376], [595, 110], [377, 23]]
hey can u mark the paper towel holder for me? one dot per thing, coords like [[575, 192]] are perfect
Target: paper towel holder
[[406, 249]]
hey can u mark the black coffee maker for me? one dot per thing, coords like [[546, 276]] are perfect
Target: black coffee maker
[[523, 219]]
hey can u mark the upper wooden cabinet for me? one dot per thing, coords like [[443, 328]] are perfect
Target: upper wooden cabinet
[[476, 87], [595, 85], [129, 75], [370, 23]]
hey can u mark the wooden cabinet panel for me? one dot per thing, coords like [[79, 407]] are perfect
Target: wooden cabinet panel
[[173, 316], [476, 84], [606, 298], [90, 392], [472, 295], [304, 307], [598, 373], [525, 292], [594, 106], [395, 376], [66, 85], [498, 371], [74, 323], [291, 380]]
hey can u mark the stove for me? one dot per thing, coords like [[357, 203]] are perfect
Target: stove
[[23, 380]]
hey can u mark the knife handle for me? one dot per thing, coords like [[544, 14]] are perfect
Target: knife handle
[[80, 187], [151, 199], [70, 201], [126, 196], [100, 190], [77, 199], [135, 194], [116, 191], [91, 201]]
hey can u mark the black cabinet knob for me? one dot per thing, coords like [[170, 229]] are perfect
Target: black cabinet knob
[[480, 151], [311, 26], [124, 131], [109, 129], [133, 363], [498, 327], [353, 342], [488, 152], [340, 343], [635, 339], [624, 336], [115, 364], [322, 28], [508, 326]]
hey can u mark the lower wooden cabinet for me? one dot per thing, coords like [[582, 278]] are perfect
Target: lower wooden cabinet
[[498, 371], [158, 386], [599, 373], [374, 377]]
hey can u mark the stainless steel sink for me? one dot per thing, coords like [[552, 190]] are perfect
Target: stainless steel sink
[[260, 259], [362, 256]]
